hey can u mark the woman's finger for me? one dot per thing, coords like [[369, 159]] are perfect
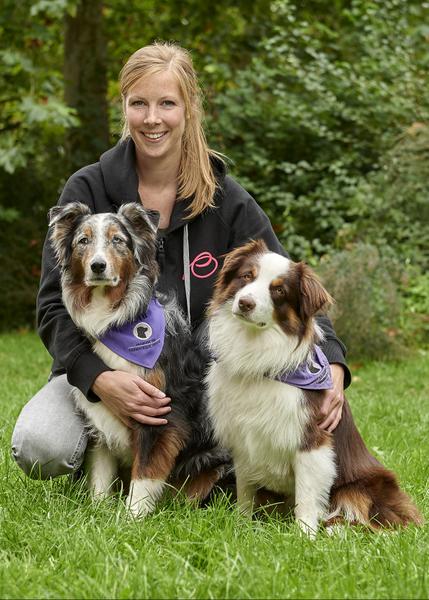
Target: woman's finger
[[149, 389], [150, 411], [146, 420], [337, 419], [332, 419], [145, 400]]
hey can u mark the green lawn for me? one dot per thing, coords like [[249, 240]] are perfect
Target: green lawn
[[55, 544]]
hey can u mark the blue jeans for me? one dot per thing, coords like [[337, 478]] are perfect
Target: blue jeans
[[50, 437]]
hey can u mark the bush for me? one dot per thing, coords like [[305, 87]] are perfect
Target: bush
[[26, 195], [415, 318], [313, 116], [395, 211], [367, 310]]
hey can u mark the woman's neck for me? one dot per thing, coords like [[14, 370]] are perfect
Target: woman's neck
[[157, 174], [158, 187]]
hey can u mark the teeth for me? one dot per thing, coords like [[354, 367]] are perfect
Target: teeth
[[153, 136]]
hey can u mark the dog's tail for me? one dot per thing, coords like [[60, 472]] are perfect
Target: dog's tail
[[376, 500], [365, 491]]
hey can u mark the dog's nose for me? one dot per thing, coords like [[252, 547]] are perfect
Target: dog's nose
[[98, 266], [246, 304]]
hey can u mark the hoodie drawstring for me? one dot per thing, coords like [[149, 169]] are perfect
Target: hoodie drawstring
[[187, 271]]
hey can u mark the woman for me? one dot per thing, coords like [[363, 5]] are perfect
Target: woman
[[164, 162]]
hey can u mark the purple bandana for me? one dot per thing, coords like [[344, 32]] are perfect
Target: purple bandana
[[141, 341], [310, 375]]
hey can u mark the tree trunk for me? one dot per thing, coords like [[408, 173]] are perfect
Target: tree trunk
[[85, 77]]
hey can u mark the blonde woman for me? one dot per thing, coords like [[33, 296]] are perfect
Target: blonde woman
[[164, 162]]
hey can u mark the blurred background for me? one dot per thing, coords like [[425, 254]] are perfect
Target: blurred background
[[322, 107]]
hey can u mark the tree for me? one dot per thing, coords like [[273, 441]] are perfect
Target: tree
[[85, 83]]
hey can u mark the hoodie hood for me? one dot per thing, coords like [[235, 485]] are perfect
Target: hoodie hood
[[118, 169]]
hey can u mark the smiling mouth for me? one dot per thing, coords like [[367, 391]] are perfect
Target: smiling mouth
[[154, 137]]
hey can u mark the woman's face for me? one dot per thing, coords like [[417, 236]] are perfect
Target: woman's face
[[155, 113]]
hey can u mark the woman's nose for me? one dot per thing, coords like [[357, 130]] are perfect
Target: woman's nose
[[152, 117]]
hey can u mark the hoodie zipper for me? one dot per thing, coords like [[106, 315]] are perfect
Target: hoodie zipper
[[160, 254]]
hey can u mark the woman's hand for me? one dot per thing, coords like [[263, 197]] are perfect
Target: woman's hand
[[332, 405], [129, 396]]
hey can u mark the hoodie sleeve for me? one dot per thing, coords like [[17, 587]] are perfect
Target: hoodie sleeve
[[70, 349], [248, 221]]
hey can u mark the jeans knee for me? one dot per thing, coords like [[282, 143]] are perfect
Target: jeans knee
[[42, 458]]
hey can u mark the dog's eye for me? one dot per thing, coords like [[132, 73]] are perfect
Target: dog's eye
[[83, 240], [278, 291], [117, 240], [248, 276]]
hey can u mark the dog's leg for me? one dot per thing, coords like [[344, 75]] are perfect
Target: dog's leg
[[149, 476], [246, 493], [199, 487], [102, 469], [314, 476]]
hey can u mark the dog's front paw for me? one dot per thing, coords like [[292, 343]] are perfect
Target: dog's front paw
[[139, 508], [143, 496], [308, 526]]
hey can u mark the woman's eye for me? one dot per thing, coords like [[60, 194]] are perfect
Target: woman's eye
[[168, 103], [83, 241], [137, 103]]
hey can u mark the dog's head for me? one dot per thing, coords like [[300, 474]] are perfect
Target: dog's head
[[105, 249], [263, 289]]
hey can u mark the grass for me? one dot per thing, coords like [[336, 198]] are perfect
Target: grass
[[54, 543]]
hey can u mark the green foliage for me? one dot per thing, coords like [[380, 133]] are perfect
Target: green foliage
[[21, 238], [365, 287], [395, 213], [322, 107], [324, 96], [416, 309], [32, 112]]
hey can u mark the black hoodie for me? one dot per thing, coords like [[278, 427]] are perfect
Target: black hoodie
[[104, 186]]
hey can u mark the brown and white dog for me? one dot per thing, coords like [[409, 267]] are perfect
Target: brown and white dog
[[262, 325], [108, 277]]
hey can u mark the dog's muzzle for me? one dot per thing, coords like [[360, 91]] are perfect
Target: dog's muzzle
[[245, 307]]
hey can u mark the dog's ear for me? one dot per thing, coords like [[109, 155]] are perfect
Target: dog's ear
[[234, 259], [313, 296], [232, 263], [68, 213], [142, 225], [62, 223], [141, 219]]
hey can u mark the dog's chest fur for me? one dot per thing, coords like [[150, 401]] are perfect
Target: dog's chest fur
[[105, 426], [262, 421]]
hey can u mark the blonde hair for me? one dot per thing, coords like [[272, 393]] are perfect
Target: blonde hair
[[196, 177]]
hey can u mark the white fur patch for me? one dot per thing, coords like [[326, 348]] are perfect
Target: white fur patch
[[315, 473], [102, 466], [107, 428], [255, 351], [262, 422], [143, 496]]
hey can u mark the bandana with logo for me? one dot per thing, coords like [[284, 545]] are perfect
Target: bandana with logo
[[141, 342], [313, 374]]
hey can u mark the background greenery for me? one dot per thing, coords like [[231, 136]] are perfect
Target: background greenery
[[54, 543], [321, 105]]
